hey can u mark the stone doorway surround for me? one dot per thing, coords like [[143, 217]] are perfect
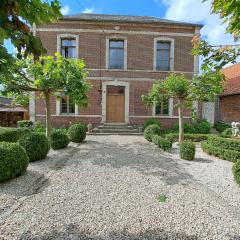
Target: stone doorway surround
[[104, 98]]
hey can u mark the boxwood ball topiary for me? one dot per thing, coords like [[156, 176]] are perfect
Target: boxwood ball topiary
[[236, 171], [150, 131], [77, 133], [187, 150], [59, 139], [36, 146], [13, 160]]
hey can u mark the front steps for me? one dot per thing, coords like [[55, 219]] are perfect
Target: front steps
[[118, 129]]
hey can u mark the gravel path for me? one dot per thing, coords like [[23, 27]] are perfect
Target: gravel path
[[108, 188]]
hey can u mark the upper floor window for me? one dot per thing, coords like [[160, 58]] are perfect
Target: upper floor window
[[162, 106], [116, 54], [68, 48], [163, 61], [67, 105]]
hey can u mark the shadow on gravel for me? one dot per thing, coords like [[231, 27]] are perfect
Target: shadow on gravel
[[144, 158], [71, 232], [24, 185], [202, 160]]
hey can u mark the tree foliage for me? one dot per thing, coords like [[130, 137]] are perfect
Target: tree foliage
[[229, 11], [48, 76], [16, 19]]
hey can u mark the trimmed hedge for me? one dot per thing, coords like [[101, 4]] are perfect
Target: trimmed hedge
[[59, 139], [9, 134], [25, 124], [188, 136], [225, 143], [226, 154], [187, 150], [151, 121], [13, 160], [77, 133], [227, 133], [150, 131], [161, 142], [221, 126], [36, 146], [236, 171]]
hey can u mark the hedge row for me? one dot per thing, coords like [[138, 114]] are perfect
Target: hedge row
[[226, 154], [161, 142], [12, 134], [236, 171], [150, 131], [188, 136], [187, 150], [225, 143]]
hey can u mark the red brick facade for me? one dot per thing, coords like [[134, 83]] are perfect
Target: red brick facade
[[229, 104], [140, 73]]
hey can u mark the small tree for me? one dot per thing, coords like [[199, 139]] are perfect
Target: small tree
[[175, 86], [48, 76]]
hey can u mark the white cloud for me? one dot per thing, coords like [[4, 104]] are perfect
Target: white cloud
[[65, 10], [89, 10], [198, 11]]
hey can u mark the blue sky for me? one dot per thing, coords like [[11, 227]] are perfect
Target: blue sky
[[181, 10]]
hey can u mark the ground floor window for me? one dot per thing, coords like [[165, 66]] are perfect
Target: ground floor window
[[162, 106], [67, 105]]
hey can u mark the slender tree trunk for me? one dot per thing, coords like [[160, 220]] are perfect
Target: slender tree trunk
[[180, 117], [48, 114]]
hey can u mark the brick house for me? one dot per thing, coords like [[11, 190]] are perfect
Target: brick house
[[124, 55], [229, 101]]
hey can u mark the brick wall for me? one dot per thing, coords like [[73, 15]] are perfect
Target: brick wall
[[230, 108], [139, 73]]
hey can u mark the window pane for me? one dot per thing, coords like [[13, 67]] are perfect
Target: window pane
[[116, 44], [163, 56], [64, 105], [116, 55], [71, 106], [69, 42], [162, 107], [163, 45]]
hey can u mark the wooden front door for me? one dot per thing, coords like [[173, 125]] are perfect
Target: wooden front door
[[115, 104]]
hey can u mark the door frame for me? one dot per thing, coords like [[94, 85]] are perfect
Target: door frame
[[104, 98]]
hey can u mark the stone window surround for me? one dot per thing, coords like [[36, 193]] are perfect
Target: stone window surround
[[172, 46], [68, 35], [116, 37], [104, 98], [58, 109], [170, 112]]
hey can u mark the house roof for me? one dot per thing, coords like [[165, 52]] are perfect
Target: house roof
[[7, 106], [232, 84], [124, 18]]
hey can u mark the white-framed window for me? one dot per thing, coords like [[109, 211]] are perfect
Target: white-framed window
[[116, 53], [68, 48], [68, 45], [161, 107], [67, 105], [163, 54]]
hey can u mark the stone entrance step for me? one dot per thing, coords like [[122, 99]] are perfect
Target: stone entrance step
[[117, 129]]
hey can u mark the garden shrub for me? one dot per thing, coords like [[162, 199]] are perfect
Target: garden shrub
[[187, 150], [227, 133], [202, 127], [38, 127], [221, 126], [188, 136], [25, 124], [36, 145], [77, 133], [9, 134], [151, 121], [236, 171], [226, 143], [58, 139], [150, 131], [161, 142], [13, 160], [218, 151]]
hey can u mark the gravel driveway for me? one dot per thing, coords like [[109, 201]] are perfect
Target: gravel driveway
[[108, 188]]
